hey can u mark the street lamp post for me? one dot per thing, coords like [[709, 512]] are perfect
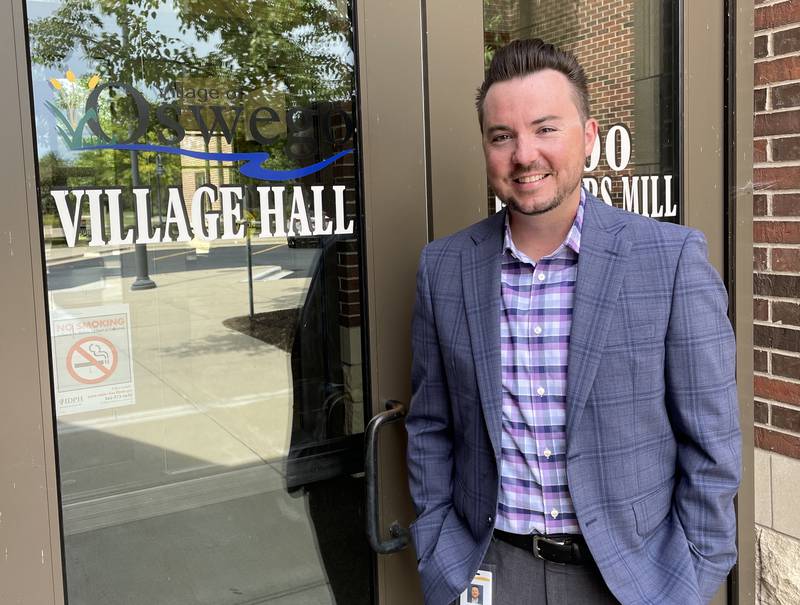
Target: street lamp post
[[142, 281]]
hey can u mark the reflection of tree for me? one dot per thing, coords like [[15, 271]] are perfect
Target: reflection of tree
[[302, 46], [296, 49]]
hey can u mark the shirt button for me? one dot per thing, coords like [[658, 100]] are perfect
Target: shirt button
[[540, 391], [537, 330], [489, 520], [547, 453], [541, 276], [554, 513]]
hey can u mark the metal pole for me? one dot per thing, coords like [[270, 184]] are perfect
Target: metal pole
[[142, 281], [159, 172], [249, 252]]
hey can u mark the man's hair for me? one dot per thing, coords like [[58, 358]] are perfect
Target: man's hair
[[525, 57]]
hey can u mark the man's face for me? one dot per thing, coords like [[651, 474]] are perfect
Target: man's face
[[535, 141], [476, 592]]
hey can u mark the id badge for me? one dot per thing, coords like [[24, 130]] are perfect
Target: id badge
[[479, 590]]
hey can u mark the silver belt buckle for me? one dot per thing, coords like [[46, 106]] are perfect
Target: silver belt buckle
[[538, 539]]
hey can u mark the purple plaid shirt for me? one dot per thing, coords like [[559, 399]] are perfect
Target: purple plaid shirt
[[536, 319]]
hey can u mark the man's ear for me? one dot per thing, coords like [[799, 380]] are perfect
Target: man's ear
[[590, 130]]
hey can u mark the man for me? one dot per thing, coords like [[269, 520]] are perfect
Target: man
[[475, 594], [573, 425]]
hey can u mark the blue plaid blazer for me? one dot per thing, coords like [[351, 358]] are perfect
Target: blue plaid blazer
[[654, 449]]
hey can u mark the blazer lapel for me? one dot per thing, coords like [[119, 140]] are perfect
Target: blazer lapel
[[481, 284], [601, 268]]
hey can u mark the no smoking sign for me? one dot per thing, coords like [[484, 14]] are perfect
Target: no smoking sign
[[92, 360]]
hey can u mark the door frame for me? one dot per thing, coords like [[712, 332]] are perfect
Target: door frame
[[30, 537]]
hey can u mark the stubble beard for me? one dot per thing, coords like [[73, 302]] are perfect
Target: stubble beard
[[561, 194]]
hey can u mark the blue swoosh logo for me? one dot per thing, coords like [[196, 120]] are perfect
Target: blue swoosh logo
[[252, 169]]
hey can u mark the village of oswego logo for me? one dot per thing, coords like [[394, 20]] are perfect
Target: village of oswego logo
[[79, 111]]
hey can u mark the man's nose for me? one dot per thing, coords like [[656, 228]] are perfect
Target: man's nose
[[526, 150]]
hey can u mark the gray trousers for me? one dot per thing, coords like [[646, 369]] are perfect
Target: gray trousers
[[519, 578]]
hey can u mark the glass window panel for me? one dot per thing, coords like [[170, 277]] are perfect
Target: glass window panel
[[200, 205], [628, 49]]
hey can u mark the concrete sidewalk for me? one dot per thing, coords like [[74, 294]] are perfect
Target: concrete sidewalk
[[203, 392], [179, 498]]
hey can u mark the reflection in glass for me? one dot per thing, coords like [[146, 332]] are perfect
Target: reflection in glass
[[209, 427], [628, 49]]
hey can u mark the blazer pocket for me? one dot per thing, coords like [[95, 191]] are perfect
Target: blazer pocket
[[651, 510], [629, 336]]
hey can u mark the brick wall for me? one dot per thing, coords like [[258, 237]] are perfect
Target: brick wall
[[776, 226]]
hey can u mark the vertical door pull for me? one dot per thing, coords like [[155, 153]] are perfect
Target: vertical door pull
[[399, 534]]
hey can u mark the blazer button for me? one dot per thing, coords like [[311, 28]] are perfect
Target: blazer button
[[489, 520]]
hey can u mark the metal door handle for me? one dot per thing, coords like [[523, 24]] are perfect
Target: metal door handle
[[399, 534]]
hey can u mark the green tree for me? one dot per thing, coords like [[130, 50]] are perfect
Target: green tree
[[301, 46]]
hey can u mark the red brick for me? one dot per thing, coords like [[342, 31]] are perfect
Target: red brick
[[780, 443], [350, 296], [784, 177], [760, 99], [760, 259], [350, 308], [784, 122], [777, 390], [759, 205], [759, 360], [786, 259], [784, 149], [783, 365], [776, 337], [776, 15], [760, 309], [760, 47], [779, 285], [786, 313], [761, 412], [347, 245], [759, 151], [786, 96], [786, 205], [786, 41], [349, 322], [776, 232], [785, 418], [777, 70]]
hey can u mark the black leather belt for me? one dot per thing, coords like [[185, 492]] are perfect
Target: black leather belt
[[566, 549]]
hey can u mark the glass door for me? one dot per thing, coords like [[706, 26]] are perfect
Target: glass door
[[201, 217]]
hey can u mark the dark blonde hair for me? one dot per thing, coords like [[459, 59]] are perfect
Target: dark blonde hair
[[525, 57]]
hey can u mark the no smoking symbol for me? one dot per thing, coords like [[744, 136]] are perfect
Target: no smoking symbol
[[92, 360]]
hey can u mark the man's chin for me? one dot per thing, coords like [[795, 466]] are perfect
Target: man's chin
[[533, 209]]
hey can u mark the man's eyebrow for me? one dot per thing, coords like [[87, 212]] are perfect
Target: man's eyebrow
[[496, 127], [549, 118]]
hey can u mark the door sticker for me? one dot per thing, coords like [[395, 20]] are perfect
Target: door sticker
[[92, 359]]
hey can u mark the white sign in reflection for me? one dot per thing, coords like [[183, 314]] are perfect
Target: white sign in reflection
[[92, 359]]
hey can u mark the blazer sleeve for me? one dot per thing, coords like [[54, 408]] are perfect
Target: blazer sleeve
[[429, 423], [702, 403]]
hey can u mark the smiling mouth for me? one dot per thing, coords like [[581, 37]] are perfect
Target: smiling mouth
[[530, 179]]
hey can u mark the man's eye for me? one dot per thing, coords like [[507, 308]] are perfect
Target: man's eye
[[547, 130], [498, 138]]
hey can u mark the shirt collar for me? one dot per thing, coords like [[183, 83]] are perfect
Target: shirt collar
[[572, 241]]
